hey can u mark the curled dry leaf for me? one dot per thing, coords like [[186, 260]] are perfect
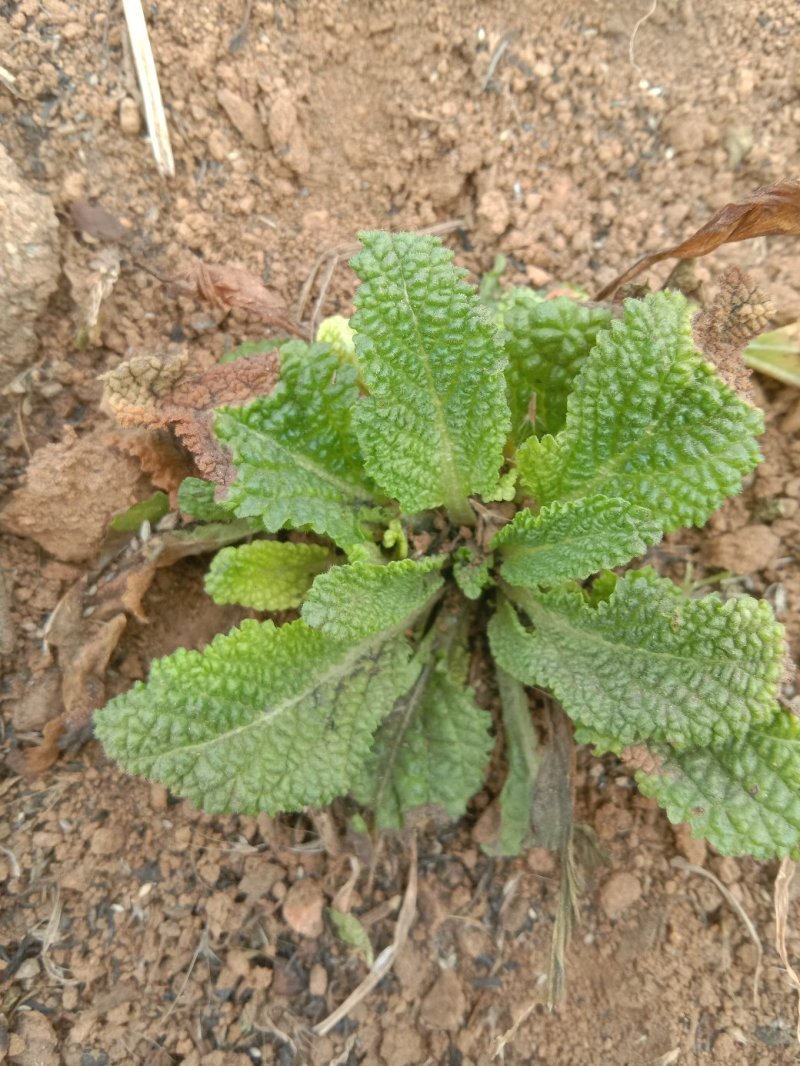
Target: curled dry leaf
[[125, 588], [229, 287], [165, 393], [86, 627], [94, 221], [738, 314], [243, 116], [160, 458], [770, 210], [83, 646], [91, 284]]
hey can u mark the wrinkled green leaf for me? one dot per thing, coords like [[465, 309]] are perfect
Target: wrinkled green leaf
[[268, 575], [266, 718], [351, 602], [742, 796], [432, 751], [297, 459], [472, 572], [548, 343], [573, 540], [433, 427], [648, 421], [648, 663], [196, 499]]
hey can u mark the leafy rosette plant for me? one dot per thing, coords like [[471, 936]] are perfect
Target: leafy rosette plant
[[449, 469]]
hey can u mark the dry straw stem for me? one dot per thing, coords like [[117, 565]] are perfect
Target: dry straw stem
[[148, 83], [682, 864], [631, 42], [772, 210], [385, 960], [782, 883]]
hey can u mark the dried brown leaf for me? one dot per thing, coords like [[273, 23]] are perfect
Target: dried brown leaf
[[782, 907], [770, 210], [243, 116], [83, 687], [126, 590], [91, 283], [41, 757], [159, 457], [738, 314], [165, 393], [93, 220], [231, 287]]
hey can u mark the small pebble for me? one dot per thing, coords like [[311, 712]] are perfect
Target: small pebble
[[130, 117], [302, 908], [318, 980], [619, 892]]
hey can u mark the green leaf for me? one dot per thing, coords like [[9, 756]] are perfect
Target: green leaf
[[337, 332], [648, 664], [573, 540], [149, 510], [490, 289], [432, 751], [196, 499], [522, 757], [297, 459], [742, 796], [268, 575], [471, 571], [352, 932], [265, 718], [548, 343], [648, 421], [434, 425], [199, 540], [351, 602], [776, 354]]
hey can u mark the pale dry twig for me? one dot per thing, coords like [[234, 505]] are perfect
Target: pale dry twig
[[148, 83], [385, 960]]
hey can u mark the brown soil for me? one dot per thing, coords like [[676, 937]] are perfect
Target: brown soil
[[138, 931]]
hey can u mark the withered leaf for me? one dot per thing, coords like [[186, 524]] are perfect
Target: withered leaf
[[166, 393], [738, 313], [164, 462], [770, 210], [42, 756], [93, 220], [125, 590], [243, 116], [229, 287]]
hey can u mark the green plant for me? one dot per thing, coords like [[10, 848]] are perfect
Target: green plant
[[456, 469]]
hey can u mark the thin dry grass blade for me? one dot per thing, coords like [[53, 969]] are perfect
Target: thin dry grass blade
[[148, 83], [781, 899]]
